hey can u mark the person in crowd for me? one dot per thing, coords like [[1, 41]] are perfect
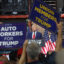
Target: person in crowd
[[13, 57], [50, 59], [29, 28], [34, 34], [42, 58], [60, 57], [4, 60], [33, 50]]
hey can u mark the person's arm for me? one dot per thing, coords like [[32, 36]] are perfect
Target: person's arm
[[23, 56], [59, 37]]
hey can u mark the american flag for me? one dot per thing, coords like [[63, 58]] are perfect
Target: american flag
[[46, 47], [50, 43]]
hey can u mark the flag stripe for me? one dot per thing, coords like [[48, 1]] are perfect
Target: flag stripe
[[50, 43]]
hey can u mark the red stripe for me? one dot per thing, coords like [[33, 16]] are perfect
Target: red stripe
[[43, 50], [51, 46], [46, 46], [54, 44]]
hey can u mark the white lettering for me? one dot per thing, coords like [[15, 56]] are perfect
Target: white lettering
[[8, 38], [10, 43], [16, 33], [10, 28]]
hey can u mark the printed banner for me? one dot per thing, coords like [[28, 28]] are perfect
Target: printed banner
[[12, 35], [44, 15]]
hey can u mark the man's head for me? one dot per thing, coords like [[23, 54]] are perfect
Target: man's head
[[33, 50], [34, 28], [60, 57], [3, 58]]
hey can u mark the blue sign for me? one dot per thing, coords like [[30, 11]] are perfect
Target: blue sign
[[12, 35], [44, 15]]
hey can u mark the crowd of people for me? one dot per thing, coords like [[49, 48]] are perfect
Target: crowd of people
[[31, 53]]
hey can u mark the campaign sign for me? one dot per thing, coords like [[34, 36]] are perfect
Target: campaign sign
[[44, 15], [12, 35]]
